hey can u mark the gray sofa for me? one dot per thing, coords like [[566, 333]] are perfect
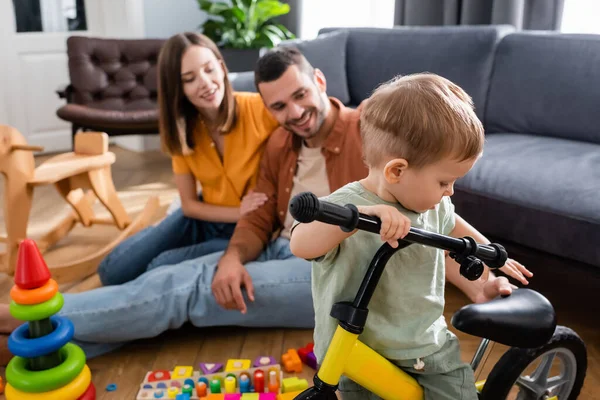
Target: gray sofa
[[537, 187]]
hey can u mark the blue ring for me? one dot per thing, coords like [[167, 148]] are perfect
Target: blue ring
[[21, 345]]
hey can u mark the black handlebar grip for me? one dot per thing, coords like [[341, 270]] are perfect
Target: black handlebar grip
[[501, 256], [306, 207]]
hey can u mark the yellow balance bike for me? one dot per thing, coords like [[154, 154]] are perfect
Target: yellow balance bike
[[525, 321]]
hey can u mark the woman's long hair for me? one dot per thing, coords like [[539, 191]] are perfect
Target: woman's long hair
[[177, 116]]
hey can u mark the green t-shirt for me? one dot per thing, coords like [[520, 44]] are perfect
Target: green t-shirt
[[405, 318]]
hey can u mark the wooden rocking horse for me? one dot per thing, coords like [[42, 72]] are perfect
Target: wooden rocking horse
[[86, 169]]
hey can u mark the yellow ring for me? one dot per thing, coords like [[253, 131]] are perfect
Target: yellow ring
[[34, 296], [73, 390]]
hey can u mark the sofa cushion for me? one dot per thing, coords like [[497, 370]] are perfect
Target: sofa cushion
[[242, 81], [546, 84], [327, 52], [462, 54], [544, 193]]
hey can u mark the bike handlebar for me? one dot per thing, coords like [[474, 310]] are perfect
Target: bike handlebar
[[306, 207]]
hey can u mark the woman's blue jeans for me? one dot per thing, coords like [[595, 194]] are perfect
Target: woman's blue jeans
[[175, 239]]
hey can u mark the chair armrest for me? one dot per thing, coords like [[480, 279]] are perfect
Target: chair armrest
[[65, 92]]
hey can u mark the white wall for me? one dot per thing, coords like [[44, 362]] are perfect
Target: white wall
[[164, 18]]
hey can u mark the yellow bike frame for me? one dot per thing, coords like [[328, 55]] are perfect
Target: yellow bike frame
[[349, 356]]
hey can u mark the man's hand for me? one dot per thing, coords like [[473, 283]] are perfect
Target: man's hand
[[227, 284], [516, 270], [495, 286]]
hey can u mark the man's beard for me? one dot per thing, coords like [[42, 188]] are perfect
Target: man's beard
[[320, 119]]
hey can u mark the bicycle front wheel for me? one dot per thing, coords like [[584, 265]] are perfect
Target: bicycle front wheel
[[557, 368]]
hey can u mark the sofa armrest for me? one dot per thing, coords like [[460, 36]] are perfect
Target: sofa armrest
[[65, 92]]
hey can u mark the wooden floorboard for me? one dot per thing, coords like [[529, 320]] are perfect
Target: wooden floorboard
[[138, 175]]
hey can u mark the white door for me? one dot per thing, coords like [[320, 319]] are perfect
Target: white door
[[33, 58]]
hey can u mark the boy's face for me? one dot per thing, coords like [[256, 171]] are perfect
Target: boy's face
[[297, 101], [421, 189]]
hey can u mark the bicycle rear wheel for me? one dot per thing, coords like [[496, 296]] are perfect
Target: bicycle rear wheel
[[557, 368]]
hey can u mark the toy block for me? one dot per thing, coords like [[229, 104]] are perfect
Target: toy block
[[182, 372], [264, 361], [303, 351], [267, 396], [293, 384], [161, 375], [288, 396], [311, 360], [250, 396], [210, 368], [183, 396], [291, 361], [237, 365], [214, 397], [232, 396]]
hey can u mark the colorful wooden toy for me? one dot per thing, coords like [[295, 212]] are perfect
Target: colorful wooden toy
[[237, 365], [197, 385], [264, 361], [210, 368], [291, 361], [288, 396], [293, 384], [46, 365], [307, 355]]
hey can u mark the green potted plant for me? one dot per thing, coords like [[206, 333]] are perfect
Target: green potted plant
[[242, 28]]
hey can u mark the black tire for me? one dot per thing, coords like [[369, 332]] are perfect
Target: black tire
[[512, 363]]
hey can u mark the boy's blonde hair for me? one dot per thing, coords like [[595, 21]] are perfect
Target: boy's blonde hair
[[421, 118]]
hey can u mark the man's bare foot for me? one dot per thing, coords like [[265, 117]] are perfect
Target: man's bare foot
[[5, 355], [7, 322]]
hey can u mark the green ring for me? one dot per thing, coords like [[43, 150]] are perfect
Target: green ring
[[37, 312], [25, 380]]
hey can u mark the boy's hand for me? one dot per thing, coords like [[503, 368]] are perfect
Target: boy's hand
[[516, 270], [227, 284], [394, 224]]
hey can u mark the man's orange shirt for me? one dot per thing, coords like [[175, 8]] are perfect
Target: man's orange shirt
[[224, 183]]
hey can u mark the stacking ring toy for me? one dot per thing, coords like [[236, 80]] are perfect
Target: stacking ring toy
[[73, 390], [90, 393], [21, 345], [50, 379], [34, 296], [37, 311]]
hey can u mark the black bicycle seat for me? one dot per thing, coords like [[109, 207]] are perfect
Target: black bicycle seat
[[524, 319]]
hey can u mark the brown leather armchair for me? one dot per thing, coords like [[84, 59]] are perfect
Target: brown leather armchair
[[113, 85]]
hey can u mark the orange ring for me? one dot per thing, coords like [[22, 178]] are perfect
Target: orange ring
[[34, 296]]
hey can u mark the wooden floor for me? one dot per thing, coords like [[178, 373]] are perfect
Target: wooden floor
[[140, 175]]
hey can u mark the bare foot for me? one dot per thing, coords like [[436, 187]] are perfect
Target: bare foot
[[5, 355], [7, 322]]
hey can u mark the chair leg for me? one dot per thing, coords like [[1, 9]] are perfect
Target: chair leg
[[74, 129]]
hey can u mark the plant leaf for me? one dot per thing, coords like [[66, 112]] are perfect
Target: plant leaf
[[213, 8], [286, 31], [239, 14], [269, 9]]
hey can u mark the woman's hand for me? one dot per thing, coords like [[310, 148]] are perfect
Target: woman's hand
[[252, 201], [394, 224]]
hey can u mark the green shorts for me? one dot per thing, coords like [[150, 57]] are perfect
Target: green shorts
[[444, 377]]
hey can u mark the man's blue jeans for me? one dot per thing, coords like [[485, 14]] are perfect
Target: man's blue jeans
[[175, 239], [166, 297]]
